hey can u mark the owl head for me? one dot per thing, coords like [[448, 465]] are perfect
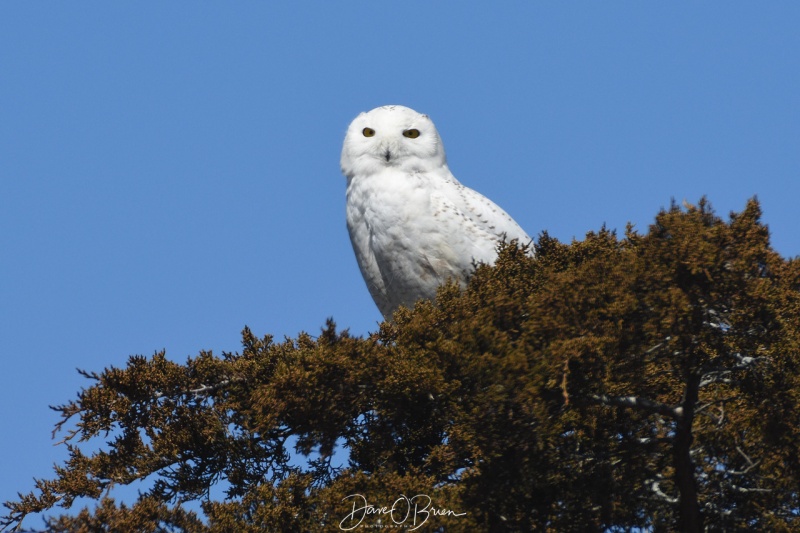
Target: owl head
[[391, 136]]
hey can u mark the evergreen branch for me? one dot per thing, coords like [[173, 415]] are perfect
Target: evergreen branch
[[642, 404]]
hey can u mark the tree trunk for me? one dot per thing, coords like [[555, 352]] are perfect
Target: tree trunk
[[690, 520]]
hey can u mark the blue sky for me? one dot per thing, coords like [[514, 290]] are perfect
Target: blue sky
[[169, 172]]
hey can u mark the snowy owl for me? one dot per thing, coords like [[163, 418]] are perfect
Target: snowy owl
[[413, 226]]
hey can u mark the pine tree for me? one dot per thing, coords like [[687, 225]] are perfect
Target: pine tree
[[649, 381]]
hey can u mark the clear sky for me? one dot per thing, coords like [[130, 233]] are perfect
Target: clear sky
[[169, 171]]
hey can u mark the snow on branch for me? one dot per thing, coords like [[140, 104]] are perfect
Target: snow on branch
[[643, 404]]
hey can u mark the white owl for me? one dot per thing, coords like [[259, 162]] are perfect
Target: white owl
[[412, 224]]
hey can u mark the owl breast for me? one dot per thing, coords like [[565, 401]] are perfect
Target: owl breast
[[405, 242]]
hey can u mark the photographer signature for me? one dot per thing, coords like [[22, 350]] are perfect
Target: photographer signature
[[414, 511]]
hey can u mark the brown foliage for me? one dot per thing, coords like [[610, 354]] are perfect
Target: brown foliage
[[649, 381]]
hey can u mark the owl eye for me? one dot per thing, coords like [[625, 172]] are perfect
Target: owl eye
[[368, 132], [411, 134]]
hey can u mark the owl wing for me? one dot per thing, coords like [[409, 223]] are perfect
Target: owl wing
[[486, 216], [481, 226], [361, 239]]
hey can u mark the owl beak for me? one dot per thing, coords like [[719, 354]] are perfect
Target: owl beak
[[387, 155]]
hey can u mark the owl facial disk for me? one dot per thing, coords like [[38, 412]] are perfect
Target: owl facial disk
[[391, 136]]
